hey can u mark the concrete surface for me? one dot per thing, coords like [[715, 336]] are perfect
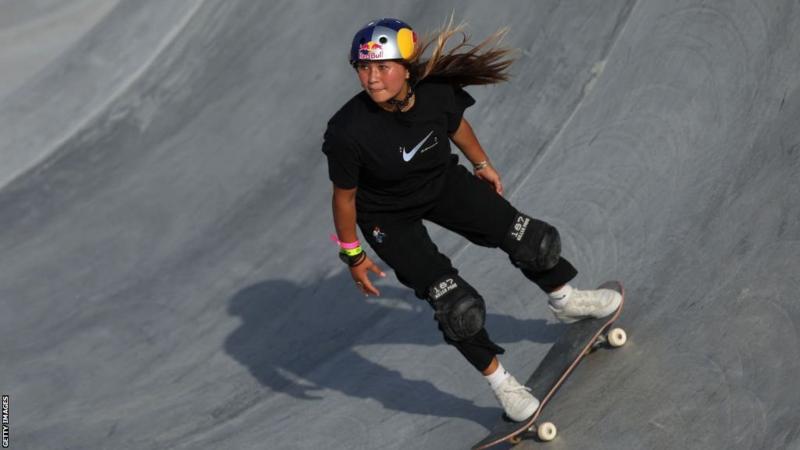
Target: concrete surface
[[167, 282], [46, 99], [33, 33]]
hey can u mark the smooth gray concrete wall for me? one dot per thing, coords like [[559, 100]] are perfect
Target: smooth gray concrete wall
[[60, 95]]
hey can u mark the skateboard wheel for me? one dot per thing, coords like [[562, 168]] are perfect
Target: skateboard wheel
[[547, 431], [617, 337]]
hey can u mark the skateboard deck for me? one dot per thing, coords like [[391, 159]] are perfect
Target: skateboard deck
[[579, 339]]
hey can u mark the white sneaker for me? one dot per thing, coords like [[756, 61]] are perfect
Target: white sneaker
[[586, 304], [516, 399]]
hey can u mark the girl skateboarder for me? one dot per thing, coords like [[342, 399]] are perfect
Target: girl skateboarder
[[390, 161]]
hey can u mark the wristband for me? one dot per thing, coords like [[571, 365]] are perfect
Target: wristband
[[351, 252], [353, 261], [350, 245], [345, 245]]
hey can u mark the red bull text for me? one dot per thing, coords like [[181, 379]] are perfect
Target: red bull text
[[370, 50]]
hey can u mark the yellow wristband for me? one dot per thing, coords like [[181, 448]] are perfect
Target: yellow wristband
[[352, 251]]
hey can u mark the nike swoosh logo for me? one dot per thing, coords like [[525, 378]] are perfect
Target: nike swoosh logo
[[408, 155]]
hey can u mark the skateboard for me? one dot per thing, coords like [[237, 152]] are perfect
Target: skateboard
[[579, 339]]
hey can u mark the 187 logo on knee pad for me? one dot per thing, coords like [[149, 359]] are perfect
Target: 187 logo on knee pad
[[443, 288], [520, 226]]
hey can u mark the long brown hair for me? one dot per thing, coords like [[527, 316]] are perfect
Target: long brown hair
[[465, 64]]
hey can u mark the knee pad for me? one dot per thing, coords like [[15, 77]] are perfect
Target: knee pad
[[532, 244], [458, 308]]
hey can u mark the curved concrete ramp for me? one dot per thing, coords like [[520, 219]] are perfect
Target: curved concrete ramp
[[52, 87], [166, 279]]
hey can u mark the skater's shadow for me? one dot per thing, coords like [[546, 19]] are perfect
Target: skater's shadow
[[300, 340]]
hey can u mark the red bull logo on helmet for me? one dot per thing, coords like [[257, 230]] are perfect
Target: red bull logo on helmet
[[383, 39], [370, 50]]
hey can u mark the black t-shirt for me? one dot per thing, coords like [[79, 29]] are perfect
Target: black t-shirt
[[396, 160]]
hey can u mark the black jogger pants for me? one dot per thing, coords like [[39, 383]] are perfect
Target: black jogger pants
[[470, 207]]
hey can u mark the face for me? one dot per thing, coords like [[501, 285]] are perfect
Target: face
[[383, 80]]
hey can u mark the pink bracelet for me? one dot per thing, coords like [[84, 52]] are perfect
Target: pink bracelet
[[345, 245]]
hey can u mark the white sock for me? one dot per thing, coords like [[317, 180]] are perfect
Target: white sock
[[559, 297], [497, 377]]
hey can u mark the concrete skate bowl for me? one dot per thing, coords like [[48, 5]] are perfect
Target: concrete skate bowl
[[167, 282]]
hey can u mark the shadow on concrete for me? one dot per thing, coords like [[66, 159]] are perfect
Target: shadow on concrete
[[324, 329]]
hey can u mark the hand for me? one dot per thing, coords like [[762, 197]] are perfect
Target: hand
[[491, 176], [359, 274]]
